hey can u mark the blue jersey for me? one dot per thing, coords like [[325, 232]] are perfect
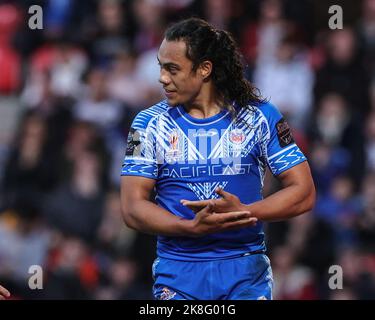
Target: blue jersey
[[189, 158]]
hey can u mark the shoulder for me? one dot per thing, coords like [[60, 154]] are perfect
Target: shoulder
[[270, 112], [144, 117]]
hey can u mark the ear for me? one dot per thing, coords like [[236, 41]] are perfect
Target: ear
[[205, 69]]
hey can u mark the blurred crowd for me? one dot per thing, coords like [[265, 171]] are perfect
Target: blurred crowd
[[69, 92]]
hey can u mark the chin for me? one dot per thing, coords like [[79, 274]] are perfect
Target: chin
[[172, 102]]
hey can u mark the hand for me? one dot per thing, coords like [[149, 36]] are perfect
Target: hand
[[228, 203], [208, 221], [4, 293]]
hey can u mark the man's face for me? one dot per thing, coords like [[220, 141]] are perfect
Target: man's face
[[181, 83]]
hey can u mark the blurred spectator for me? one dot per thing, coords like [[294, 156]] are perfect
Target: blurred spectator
[[326, 164], [60, 18], [366, 29], [218, 13], [107, 114], [343, 71], [260, 40], [121, 283], [123, 78], [287, 81], [96, 106], [9, 21], [84, 194], [10, 63], [148, 70], [108, 33], [370, 141], [331, 120], [358, 280], [340, 208], [29, 169], [335, 125], [292, 282], [81, 136], [65, 64], [372, 94], [150, 18], [366, 220], [114, 237], [56, 110], [24, 242], [10, 70], [65, 277], [57, 16], [313, 240]]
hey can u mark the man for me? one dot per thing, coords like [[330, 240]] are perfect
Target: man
[[205, 150]]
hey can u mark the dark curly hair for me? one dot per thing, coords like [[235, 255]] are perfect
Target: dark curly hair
[[204, 42]]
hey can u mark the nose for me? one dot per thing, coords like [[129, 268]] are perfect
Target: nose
[[164, 78]]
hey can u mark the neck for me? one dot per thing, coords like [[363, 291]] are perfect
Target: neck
[[206, 104]]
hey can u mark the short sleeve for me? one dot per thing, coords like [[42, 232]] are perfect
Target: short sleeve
[[281, 151], [140, 155]]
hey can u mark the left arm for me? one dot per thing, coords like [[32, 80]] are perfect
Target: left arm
[[296, 197]]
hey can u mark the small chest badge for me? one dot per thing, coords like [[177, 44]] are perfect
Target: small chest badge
[[237, 137], [173, 153]]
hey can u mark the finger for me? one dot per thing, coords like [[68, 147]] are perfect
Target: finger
[[4, 292], [250, 222], [210, 207], [197, 206], [200, 203], [195, 209], [222, 193], [233, 216], [208, 210]]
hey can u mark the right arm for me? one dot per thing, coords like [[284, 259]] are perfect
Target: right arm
[[141, 214]]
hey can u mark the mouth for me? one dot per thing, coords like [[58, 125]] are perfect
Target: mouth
[[169, 93]]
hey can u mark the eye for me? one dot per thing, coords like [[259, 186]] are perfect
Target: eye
[[173, 70]]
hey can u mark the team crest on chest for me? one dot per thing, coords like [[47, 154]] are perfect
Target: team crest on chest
[[174, 152], [237, 137], [236, 141]]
